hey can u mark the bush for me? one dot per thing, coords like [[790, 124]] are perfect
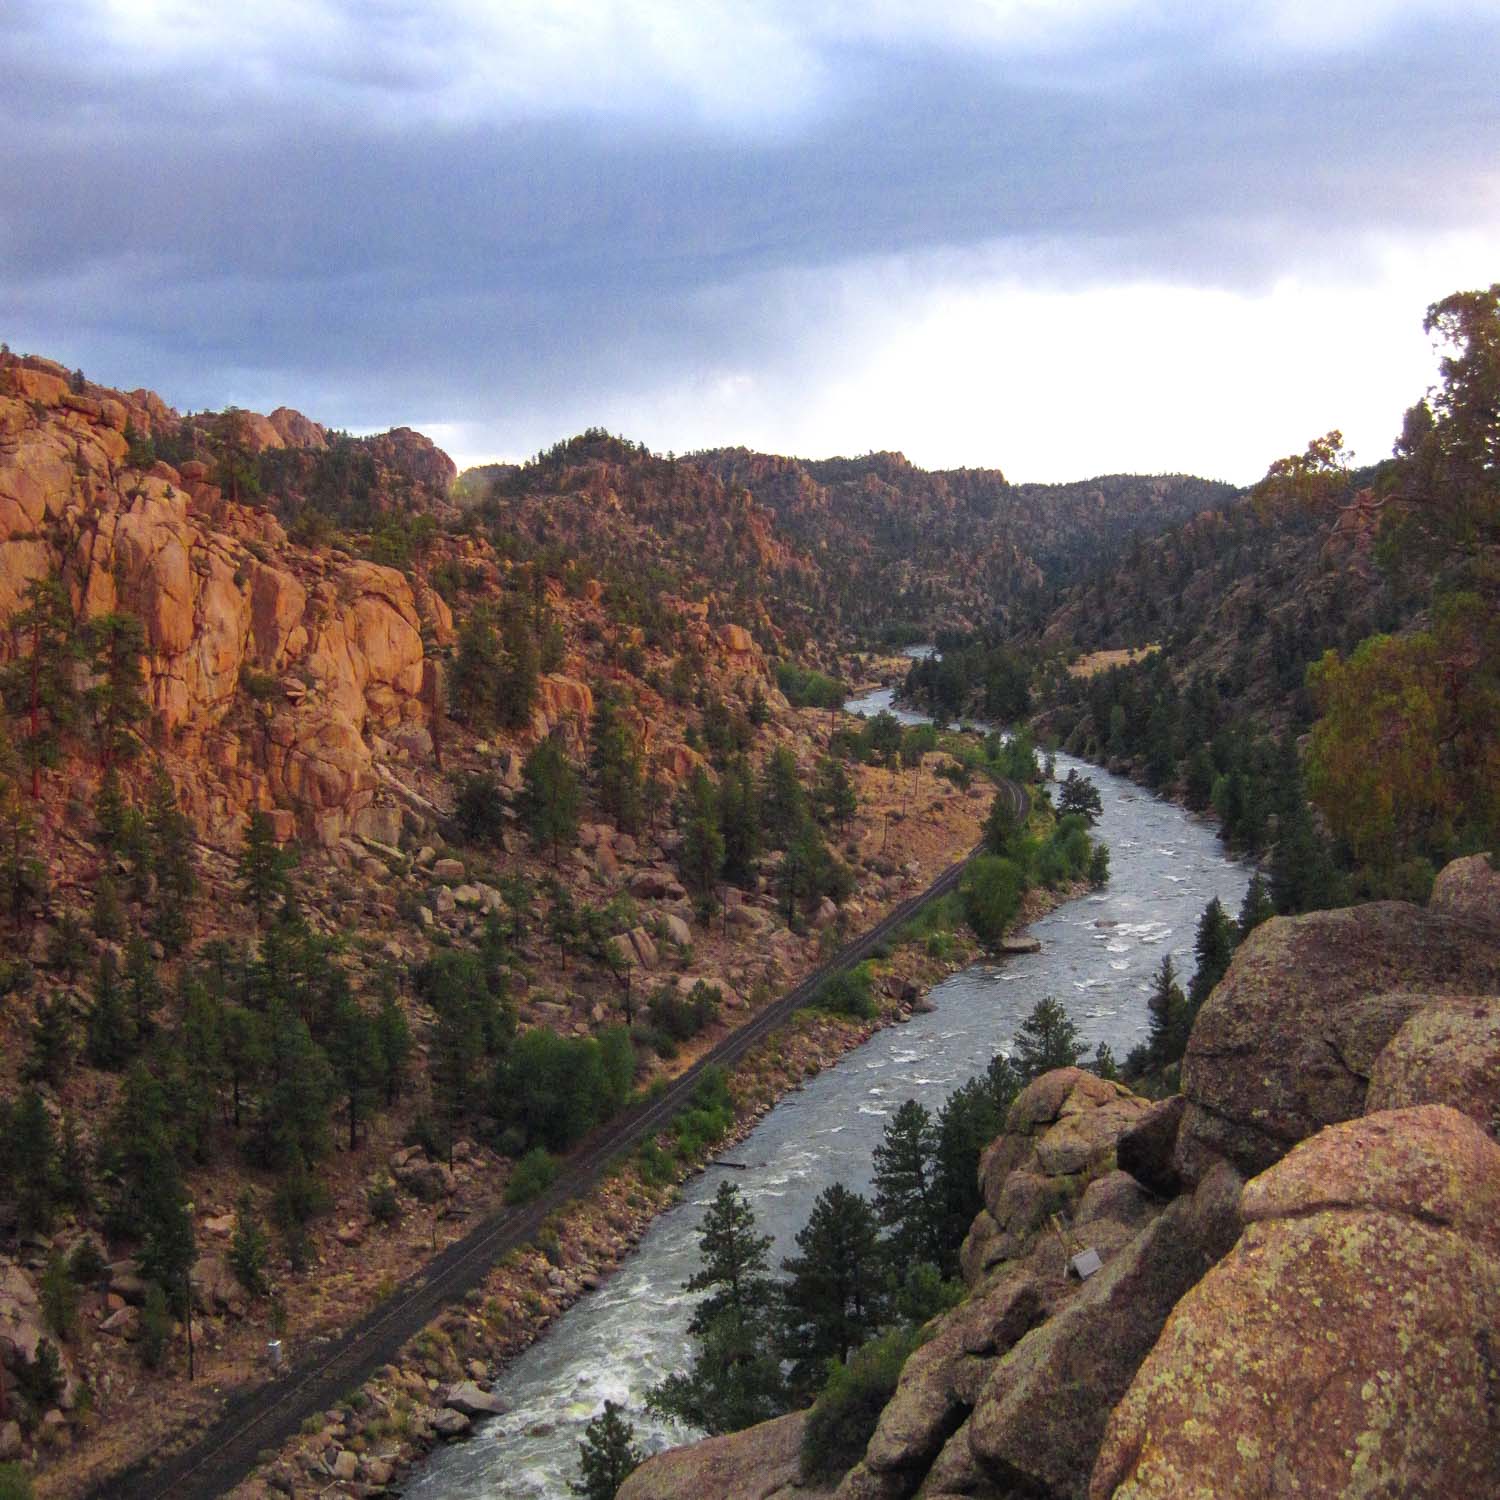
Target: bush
[[381, 1202], [848, 993], [156, 1327], [991, 892], [682, 1017], [478, 810], [805, 688], [15, 1484], [843, 1418], [534, 1174]]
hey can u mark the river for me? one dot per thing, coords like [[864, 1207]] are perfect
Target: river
[[1097, 957]]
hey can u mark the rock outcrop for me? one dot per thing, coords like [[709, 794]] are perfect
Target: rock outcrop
[[757, 1464], [332, 647], [1286, 1043], [1346, 1347]]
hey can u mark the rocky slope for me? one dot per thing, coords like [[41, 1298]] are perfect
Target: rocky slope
[[1300, 1268]]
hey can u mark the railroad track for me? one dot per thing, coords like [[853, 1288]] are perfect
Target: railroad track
[[262, 1419]]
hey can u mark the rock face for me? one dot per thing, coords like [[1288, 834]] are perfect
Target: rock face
[[334, 646], [757, 1464], [1468, 888], [1346, 1346], [1286, 1042]]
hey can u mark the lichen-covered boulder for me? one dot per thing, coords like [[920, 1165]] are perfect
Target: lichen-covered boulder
[[1285, 1043], [759, 1463], [1447, 1052], [1470, 888], [1346, 1347]]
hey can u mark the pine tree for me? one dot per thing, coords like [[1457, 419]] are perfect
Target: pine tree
[[293, 1117], [1079, 795], [393, 1042], [23, 875], [783, 802], [108, 916], [616, 763], [518, 673], [700, 859], [1256, 907], [40, 681], [836, 1294], [737, 806], [111, 1038], [172, 843], [906, 1196], [168, 1248], [59, 1297], [549, 800], [607, 1455], [1001, 830], [249, 1247], [735, 1377], [74, 1188], [833, 794], [142, 989], [354, 1053], [1214, 948], [264, 866], [117, 698], [51, 1054], [1168, 1010], [1047, 1039], [32, 1148], [477, 673]]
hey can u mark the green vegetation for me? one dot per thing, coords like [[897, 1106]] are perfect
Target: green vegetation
[[805, 688], [607, 1455], [533, 1175]]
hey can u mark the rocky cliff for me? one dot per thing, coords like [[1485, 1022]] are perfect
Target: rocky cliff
[[1300, 1270]]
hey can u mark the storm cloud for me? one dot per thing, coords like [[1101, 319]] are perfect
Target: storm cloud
[[507, 221]]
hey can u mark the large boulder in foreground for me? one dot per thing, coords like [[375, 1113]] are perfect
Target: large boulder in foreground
[[1346, 1346], [759, 1463], [1041, 1415], [1286, 1042]]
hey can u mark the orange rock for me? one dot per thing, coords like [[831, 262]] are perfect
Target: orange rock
[[736, 639], [297, 431], [33, 385]]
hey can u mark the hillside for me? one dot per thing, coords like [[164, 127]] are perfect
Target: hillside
[[361, 850]]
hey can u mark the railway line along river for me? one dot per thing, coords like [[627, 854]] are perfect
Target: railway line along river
[[1096, 958]]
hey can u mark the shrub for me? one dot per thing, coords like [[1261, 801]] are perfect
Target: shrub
[[805, 688], [381, 1202], [843, 1418], [991, 892], [534, 1174], [478, 809], [15, 1484], [156, 1327], [848, 993]]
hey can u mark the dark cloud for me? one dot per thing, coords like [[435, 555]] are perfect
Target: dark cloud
[[243, 242]]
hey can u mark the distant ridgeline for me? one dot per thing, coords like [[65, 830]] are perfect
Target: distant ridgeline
[[1328, 678]]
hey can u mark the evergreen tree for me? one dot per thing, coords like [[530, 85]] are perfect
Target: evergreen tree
[[142, 989], [735, 1377], [172, 842], [1302, 873], [74, 1188], [1256, 907], [51, 1054], [354, 1053], [111, 1038], [1001, 830], [108, 916], [32, 1149], [40, 681], [111, 812], [971, 1117], [139, 1133], [293, 1115], [738, 809], [1168, 1009], [607, 1455], [1079, 795], [518, 673], [700, 858], [833, 795], [783, 802], [249, 1247], [264, 866], [1214, 948], [247, 1051], [59, 1297], [734, 1269], [69, 949], [393, 1044], [906, 1195], [168, 1248], [23, 875], [836, 1294], [1047, 1039], [117, 698], [616, 763], [478, 673], [549, 799]]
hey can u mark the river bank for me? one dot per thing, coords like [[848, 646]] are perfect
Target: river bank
[[396, 1418]]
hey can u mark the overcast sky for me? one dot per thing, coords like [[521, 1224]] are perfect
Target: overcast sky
[[1060, 237]]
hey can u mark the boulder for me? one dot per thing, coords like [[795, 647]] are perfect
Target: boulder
[[474, 1402], [1447, 1052], [1041, 1414], [450, 1424], [735, 639], [678, 930], [1285, 1043], [1345, 1347], [759, 1463], [1468, 888]]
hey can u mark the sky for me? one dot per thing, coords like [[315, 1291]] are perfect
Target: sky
[[1057, 237]]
